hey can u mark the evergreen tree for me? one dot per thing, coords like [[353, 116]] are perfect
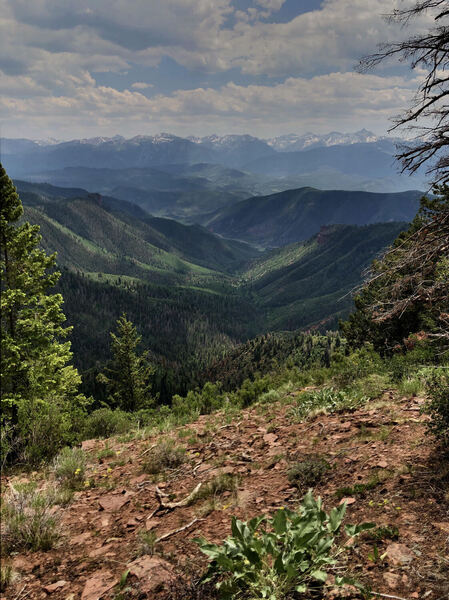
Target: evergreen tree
[[39, 400], [128, 377], [407, 290]]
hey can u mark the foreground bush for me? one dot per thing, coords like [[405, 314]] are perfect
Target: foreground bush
[[308, 472], [438, 405], [164, 456], [277, 558], [104, 422], [29, 521]]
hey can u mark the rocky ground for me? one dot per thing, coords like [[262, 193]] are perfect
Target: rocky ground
[[119, 522]]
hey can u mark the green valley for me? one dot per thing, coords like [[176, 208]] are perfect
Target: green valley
[[193, 295]]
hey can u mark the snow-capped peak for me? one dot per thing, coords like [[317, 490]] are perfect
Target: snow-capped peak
[[293, 141]]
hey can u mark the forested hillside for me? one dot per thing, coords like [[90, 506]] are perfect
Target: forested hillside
[[310, 283], [296, 215]]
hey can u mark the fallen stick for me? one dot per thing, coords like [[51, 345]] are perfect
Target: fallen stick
[[231, 425], [194, 470], [203, 472], [171, 505], [147, 450], [170, 533], [387, 596]]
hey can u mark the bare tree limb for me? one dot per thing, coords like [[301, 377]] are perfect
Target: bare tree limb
[[428, 116]]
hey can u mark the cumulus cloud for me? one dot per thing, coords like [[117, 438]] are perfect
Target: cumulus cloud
[[141, 85], [51, 51], [192, 33], [296, 104], [271, 4]]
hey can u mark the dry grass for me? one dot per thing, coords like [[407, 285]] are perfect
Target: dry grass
[[29, 521]]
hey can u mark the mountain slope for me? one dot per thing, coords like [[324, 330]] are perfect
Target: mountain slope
[[295, 215], [126, 232], [170, 190], [181, 284], [373, 163], [306, 283]]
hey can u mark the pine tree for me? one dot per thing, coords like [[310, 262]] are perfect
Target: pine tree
[[128, 376], [39, 401]]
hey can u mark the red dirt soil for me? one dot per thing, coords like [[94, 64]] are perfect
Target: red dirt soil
[[102, 526]]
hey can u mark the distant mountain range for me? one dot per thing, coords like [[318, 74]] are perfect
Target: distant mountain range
[[293, 142], [358, 161]]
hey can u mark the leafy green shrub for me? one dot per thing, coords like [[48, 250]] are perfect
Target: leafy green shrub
[[104, 422], [70, 468], [357, 365], [308, 472], [385, 532], [372, 386], [251, 391], [28, 521], [105, 452], [198, 402], [411, 386], [406, 365], [438, 405], [44, 427], [164, 456], [270, 396], [326, 400], [293, 552]]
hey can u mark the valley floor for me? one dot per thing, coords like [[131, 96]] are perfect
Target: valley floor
[[382, 461]]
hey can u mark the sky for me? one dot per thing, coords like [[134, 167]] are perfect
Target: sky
[[75, 69]]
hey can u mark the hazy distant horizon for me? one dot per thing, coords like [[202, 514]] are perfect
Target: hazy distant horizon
[[193, 135]]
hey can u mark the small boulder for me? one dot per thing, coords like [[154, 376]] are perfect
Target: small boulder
[[97, 585], [53, 587], [391, 579], [270, 438], [88, 444], [348, 501], [112, 503], [152, 572], [151, 524], [398, 554]]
